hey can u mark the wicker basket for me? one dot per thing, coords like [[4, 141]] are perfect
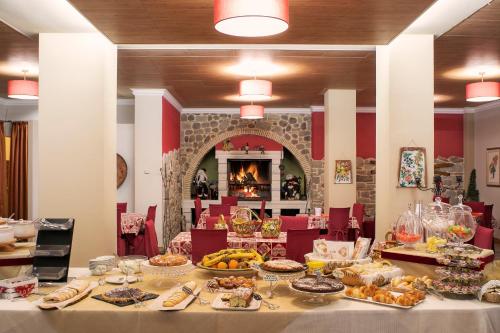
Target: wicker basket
[[242, 223], [492, 297]]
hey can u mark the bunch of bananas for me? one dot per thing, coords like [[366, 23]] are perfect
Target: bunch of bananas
[[232, 259]]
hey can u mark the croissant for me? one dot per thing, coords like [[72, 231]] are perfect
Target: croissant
[[406, 300], [356, 293], [179, 295], [369, 290], [417, 294], [385, 298]]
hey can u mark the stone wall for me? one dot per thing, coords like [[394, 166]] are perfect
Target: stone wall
[[172, 202], [365, 184], [455, 168], [199, 131]]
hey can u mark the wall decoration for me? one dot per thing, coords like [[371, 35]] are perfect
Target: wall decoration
[[412, 169], [493, 166], [343, 172], [121, 170]]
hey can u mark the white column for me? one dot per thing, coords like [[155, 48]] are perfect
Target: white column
[[77, 138], [148, 153], [340, 144], [405, 117]]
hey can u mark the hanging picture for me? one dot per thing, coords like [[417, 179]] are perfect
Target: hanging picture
[[343, 172], [493, 166], [412, 167]]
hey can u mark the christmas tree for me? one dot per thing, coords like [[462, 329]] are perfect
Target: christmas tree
[[472, 192]]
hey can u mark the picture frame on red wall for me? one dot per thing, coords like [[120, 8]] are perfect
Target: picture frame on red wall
[[493, 167]]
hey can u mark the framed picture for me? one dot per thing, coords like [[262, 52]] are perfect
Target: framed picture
[[343, 172], [412, 162], [493, 166]]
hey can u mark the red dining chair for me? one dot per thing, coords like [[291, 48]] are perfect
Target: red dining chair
[[262, 212], [487, 216], [121, 245], [206, 241], [231, 201], [476, 206], [299, 243], [483, 237], [211, 221], [443, 199], [369, 229], [197, 210], [358, 211], [218, 210], [293, 222], [122, 206], [145, 244], [151, 215], [337, 224]]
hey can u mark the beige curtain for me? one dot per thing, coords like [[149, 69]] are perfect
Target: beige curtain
[[18, 182], [4, 202]]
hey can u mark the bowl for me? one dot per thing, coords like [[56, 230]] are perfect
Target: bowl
[[23, 228]]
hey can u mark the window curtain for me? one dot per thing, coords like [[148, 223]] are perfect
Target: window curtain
[[4, 209], [18, 182]]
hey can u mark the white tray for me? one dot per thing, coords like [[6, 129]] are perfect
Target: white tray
[[393, 305], [219, 304], [157, 304], [47, 306]]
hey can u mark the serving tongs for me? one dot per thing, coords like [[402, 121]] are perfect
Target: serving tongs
[[420, 285]]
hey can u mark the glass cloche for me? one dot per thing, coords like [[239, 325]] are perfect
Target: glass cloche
[[435, 218], [409, 228], [462, 225]]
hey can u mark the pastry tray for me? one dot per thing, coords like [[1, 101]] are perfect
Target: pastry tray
[[157, 304], [49, 273], [219, 304], [146, 297], [48, 306], [393, 305]]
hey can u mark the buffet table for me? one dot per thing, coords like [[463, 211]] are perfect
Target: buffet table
[[294, 315], [274, 247]]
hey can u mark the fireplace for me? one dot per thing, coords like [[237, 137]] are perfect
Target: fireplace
[[249, 179]]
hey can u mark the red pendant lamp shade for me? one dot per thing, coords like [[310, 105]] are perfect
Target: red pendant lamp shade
[[482, 91], [251, 112], [251, 18], [22, 89], [256, 90]]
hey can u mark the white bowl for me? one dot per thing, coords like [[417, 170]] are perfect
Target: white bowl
[[23, 228], [6, 234]]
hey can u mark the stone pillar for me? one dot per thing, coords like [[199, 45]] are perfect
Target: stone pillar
[[148, 153], [468, 147], [405, 117], [77, 138], [340, 144]]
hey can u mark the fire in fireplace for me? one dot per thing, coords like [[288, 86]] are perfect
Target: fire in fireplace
[[249, 179]]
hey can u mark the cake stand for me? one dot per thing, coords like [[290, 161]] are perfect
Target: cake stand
[[315, 297], [162, 273], [274, 277]]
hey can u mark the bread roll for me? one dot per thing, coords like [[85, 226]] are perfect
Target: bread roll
[[179, 295]]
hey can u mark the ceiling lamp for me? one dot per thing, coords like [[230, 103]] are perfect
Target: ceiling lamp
[[22, 89], [482, 91], [251, 111], [256, 90], [251, 18]]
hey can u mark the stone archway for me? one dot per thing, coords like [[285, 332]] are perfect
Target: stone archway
[[196, 159]]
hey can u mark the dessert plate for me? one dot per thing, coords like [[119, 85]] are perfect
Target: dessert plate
[[157, 304], [393, 305], [120, 279], [219, 304]]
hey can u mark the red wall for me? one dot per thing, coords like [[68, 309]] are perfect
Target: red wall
[[171, 127], [253, 141], [448, 135]]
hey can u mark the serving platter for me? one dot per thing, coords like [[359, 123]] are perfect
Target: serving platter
[[157, 304], [219, 304], [167, 271], [49, 306], [393, 305], [228, 271]]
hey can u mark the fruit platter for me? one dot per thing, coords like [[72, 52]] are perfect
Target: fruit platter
[[231, 261]]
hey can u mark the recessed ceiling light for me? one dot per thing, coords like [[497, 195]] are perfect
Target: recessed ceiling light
[[256, 66], [251, 18]]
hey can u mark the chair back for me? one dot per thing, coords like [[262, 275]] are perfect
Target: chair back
[[197, 210], [150, 239], [218, 210], [487, 216], [369, 229], [206, 241], [483, 237], [293, 222], [121, 206], [476, 206], [337, 224], [211, 221], [121, 246], [358, 211], [299, 243], [151, 215], [231, 201], [262, 212]]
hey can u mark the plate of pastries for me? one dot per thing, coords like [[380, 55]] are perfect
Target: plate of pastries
[[231, 260], [373, 294], [410, 282], [71, 293], [168, 265], [230, 283], [176, 298], [240, 299], [378, 273], [168, 260]]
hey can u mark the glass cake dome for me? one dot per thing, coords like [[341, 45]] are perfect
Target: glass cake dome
[[462, 225], [409, 229]]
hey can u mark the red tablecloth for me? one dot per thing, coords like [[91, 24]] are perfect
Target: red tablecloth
[[274, 248]]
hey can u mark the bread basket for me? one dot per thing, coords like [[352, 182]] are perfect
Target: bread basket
[[242, 222]]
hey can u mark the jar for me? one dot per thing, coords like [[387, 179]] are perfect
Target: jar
[[271, 228], [23, 229], [435, 218], [462, 225], [409, 229]]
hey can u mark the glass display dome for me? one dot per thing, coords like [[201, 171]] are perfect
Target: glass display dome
[[409, 229], [462, 225], [435, 218]]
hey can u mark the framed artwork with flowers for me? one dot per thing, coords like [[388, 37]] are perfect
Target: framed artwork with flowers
[[343, 172], [493, 166], [412, 169]]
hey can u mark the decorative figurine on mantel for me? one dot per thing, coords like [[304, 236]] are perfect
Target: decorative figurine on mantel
[[227, 145], [261, 149], [201, 183], [291, 187], [246, 148]]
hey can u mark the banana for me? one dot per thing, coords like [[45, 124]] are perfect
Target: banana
[[215, 260], [258, 257], [241, 255]]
